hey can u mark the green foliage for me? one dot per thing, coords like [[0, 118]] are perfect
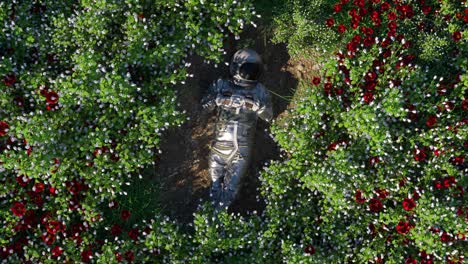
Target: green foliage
[[298, 24], [384, 122], [86, 92]]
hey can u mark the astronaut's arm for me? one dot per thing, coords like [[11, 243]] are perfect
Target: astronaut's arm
[[265, 111], [208, 101]]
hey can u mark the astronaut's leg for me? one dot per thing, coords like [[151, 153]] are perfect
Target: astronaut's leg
[[233, 177], [217, 171]]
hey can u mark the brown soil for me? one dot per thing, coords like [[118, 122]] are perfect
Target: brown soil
[[182, 168]]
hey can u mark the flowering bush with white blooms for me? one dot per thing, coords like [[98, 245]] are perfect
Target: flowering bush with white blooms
[[297, 23], [381, 138], [85, 93]]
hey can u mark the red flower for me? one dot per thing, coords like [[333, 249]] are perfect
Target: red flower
[[448, 181], [392, 26], [9, 79], [36, 198], [437, 184], [391, 16], [409, 260], [86, 255], [309, 249], [419, 154], [125, 215], [74, 203], [445, 237], [356, 39], [373, 161], [406, 11], [367, 30], [330, 22], [368, 41], [133, 234], [48, 238], [465, 104], [341, 28], [385, 6], [359, 3], [431, 121], [458, 160], [129, 256], [375, 17], [370, 76], [52, 190], [39, 187], [382, 193], [316, 80], [54, 226], [57, 251], [52, 107], [408, 204], [52, 97], [426, 9], [368, 97], [456, 36], [328, 88], [74, 187], [337, 8], [370, 86], [358, 197], [116, 230], [18, 209], [375, 205], [22, 180], [4, 128], [403, 227], [118, 256], [339, 91]]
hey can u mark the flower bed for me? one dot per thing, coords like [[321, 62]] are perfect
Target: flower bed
[[381, 136], [85, 93]]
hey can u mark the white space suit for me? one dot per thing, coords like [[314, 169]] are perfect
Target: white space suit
[[240, 101]]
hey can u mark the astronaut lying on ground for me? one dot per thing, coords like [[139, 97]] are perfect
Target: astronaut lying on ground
[[240, 101]]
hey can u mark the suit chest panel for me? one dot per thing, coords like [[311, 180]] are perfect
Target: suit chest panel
[[248, 93]]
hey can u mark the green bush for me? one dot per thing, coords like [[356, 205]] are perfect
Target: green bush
[[298, 23], [381, 135], [86, 92]]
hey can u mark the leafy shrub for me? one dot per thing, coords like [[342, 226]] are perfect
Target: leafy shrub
[[298, 24], [86, 91], [381, 136]]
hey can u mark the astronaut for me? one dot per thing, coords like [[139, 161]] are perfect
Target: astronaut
[[240, 100]]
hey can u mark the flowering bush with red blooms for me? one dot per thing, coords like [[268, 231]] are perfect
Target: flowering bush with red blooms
[[395, 90], [86, 91]]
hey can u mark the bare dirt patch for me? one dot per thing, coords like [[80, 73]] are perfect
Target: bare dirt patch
[[182, 168]]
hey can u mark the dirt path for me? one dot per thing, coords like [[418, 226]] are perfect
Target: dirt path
[[182, 167]]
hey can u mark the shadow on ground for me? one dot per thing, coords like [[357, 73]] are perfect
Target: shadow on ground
[[182, 168]]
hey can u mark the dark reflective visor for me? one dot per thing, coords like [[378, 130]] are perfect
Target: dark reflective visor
[[250, 71]]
